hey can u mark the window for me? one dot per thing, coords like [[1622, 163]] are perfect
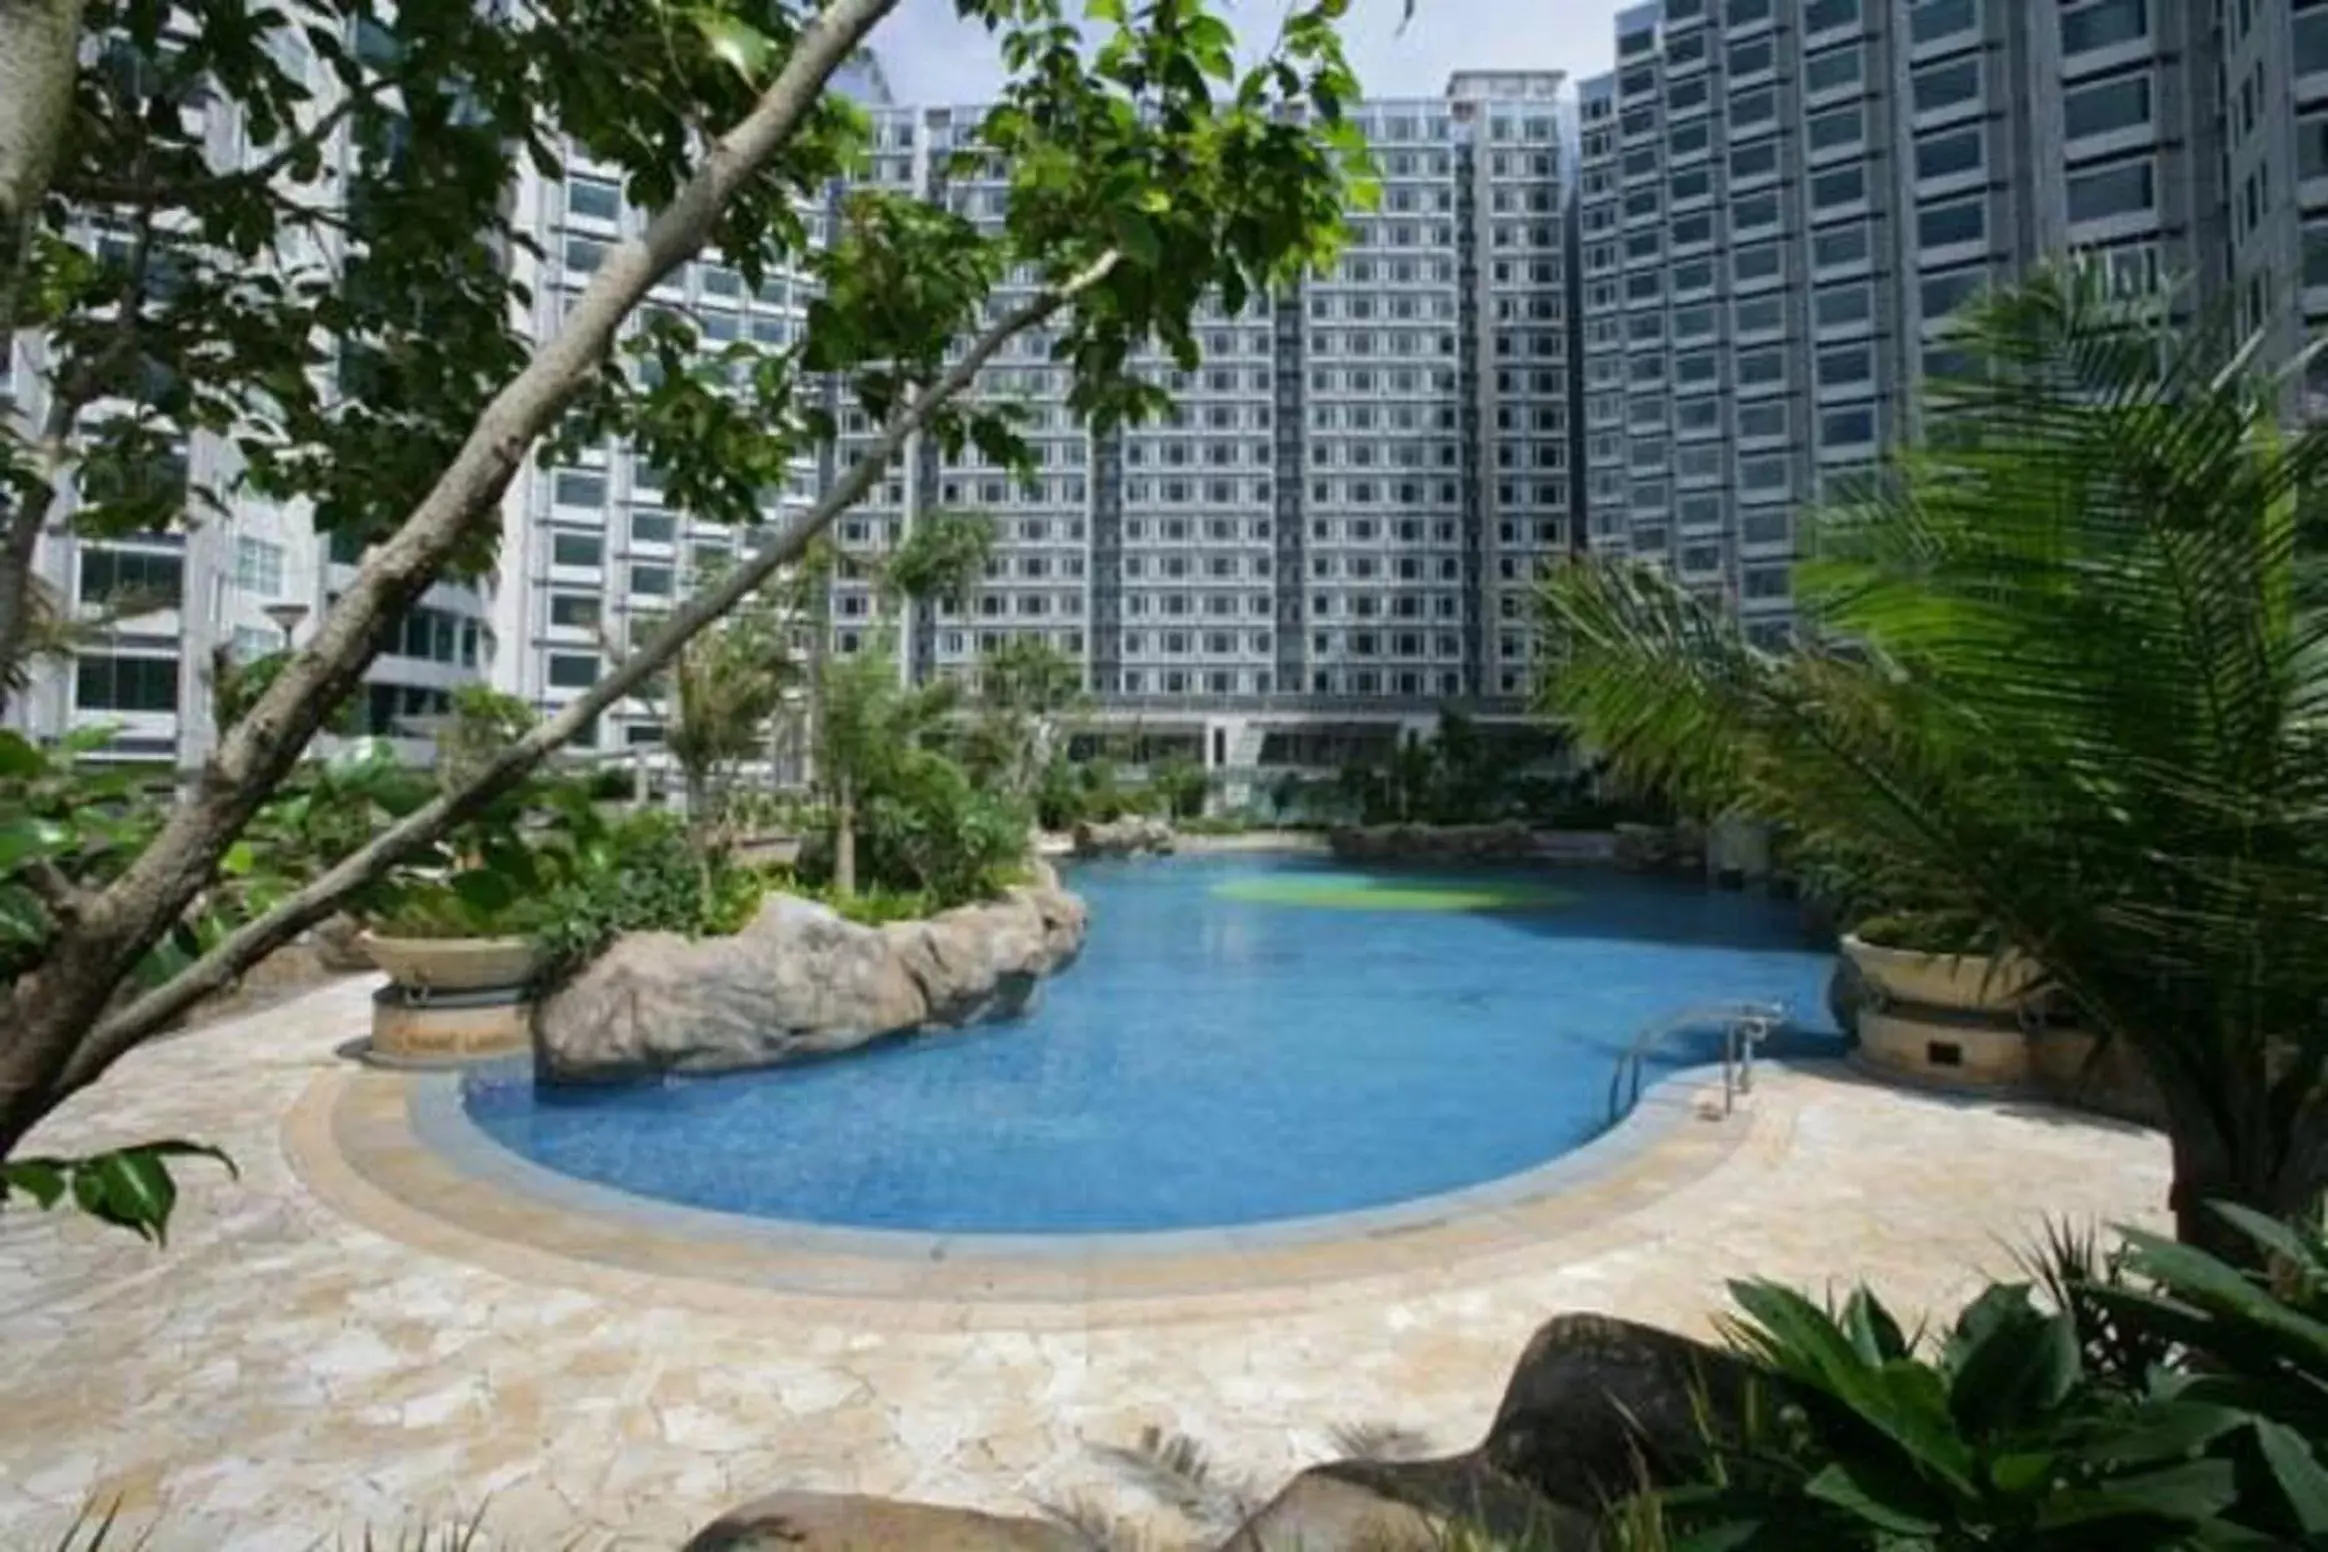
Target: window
[[1943, 294], [1932, 19], [153, 581], [2312, 145], [574, 488], [1759, 211], [1945, 156], [1757, 367], [573, 670], [1964, 220], [652, 527], [1761, 315], [1843, 186], [2126, 189], [2104, 24], [258, 565], [1763, 422], [1847, 427], [2107, 106], [1751, 109], [105, 683], [1849, 364], [1842, 127], [1762, 474], [1819, 15], [2311, 42], [1832, 71], [654, 581], [576, 549], [1750, 58], [1840, 245], [1840, 306], [1946, 86], [593, 199], [1756, 263], [578, 610], [1759, 160]]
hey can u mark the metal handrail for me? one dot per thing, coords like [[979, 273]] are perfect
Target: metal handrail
[[1745, 1025]]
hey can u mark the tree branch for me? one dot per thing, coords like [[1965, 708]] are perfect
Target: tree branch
[[157, 1009], [51, 1010]]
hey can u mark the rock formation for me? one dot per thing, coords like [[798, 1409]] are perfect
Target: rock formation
[[1505, 842], [800, 980], [1133, 835]]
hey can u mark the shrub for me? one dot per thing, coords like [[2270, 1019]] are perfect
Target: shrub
[[644, 876], [934, 831], [2156, 1398]]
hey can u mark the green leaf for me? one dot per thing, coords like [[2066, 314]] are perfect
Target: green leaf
[[2302, 1481], [737, 44], [41, 1179], [1851, 1487], [26, 839], [20, 757], [2187, 1494], [1135, 234], [133, 1190]]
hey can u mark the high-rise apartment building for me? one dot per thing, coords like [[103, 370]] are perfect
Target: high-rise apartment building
[[1667, 346], [1783, 200], [1337, 525]]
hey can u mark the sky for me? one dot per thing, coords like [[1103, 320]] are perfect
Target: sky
[[930, 57]]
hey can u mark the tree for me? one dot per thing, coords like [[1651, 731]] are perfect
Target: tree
[[728, 687], [869, 724], [1025, 687], [382, 382], [2065, 673]]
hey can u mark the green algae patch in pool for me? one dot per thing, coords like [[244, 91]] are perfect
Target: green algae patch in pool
[[1345, 892]]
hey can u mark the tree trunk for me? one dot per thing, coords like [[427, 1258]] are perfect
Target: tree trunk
[[2252, 1166], [844, 838]]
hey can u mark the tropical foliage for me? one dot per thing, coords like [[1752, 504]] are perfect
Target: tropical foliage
[[2064, 671], [2159, 1399]]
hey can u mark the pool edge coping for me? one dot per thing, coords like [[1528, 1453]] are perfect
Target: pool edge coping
[[396, 1153]]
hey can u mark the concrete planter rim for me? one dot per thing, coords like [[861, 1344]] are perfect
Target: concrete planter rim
[[452, 964], [1990, 983]]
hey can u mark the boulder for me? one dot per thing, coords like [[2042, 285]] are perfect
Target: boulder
[[1134, 835], [1595, 1403], [1509, 841], [1403, 1506], [841, 1522], [800, 980]]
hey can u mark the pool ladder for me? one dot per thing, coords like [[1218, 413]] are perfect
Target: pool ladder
[[1745, 1025]]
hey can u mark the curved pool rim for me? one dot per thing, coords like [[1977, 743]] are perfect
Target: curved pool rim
[[396, 1154], [442, 1122]]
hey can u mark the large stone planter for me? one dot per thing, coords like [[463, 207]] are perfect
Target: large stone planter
[[1928, 1046], [1966, 983], [453, 964]]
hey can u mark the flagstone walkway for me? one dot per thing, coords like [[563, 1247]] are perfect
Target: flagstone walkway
[[284, 1373]]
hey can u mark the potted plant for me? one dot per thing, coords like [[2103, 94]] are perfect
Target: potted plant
[[444, 938], [1937, 961]]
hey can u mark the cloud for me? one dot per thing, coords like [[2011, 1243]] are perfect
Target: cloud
[[932, 57]]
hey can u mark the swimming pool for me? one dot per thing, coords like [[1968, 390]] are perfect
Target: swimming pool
[[1245, 1039]]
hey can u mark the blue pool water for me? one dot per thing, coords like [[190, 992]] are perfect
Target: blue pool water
[[1209, 1061]]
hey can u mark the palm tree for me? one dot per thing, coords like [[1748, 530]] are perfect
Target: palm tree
[[725, 690], [2066, 674]]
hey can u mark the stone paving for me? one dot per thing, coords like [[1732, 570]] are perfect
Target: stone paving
[[282, 1375]]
